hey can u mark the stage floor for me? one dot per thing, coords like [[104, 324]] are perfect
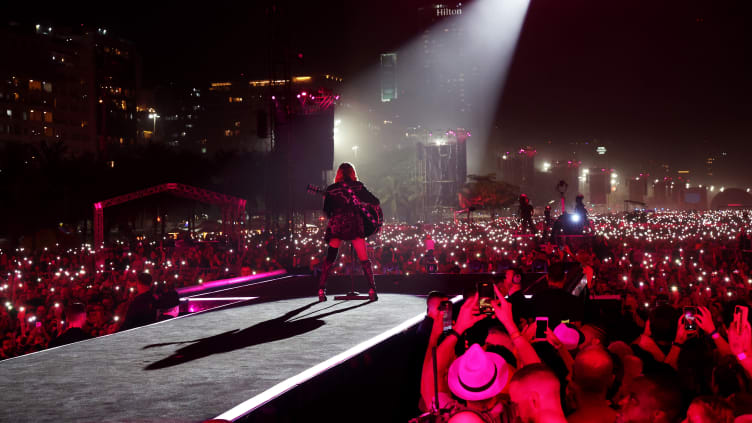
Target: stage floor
[[194, 367]]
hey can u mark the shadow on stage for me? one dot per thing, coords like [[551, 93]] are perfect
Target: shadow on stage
[[275, 329]]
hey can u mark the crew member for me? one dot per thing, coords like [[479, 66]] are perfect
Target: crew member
[[526, 214], [547, 222], [580, 210]]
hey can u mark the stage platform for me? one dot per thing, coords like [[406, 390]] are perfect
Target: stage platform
[[201, 365]]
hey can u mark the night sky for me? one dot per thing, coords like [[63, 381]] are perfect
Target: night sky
[[665, 78], [658, 78]]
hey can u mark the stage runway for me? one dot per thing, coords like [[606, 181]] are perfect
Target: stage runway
[[194, 367]]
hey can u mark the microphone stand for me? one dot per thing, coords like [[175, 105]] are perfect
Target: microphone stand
[[435, 411], [352, 295]]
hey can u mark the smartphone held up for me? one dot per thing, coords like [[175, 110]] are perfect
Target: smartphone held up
[[541, 327], [446, 308], [486, 294], [740, 316], [689, 318]]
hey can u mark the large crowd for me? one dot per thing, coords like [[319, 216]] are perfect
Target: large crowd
[[38, 287], [641, 316], [647, 321]]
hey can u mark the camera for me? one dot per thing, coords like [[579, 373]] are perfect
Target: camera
[[446, 307]]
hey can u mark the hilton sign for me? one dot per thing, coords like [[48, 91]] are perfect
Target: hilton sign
[[448, 12]]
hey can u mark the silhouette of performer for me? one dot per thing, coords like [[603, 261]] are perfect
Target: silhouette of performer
[[526, 214], [580, 209], [547, 222]]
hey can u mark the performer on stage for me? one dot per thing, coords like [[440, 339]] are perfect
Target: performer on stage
[[346, 224], [526, 214]]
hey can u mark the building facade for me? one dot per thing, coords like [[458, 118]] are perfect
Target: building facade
[[76, 86], [240, 115]]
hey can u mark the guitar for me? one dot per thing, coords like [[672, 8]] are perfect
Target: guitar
[[372, 216]]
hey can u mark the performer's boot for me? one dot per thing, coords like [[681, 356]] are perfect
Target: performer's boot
[[326, 267], [368, 273]]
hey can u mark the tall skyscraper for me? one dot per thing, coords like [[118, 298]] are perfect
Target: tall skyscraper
[[389, 90], [443, 74], [598, 186], [518, 167]]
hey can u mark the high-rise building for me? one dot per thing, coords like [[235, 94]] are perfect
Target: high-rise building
[[443, 77], [638, 188], [599, 186], [75, 85], [389, 90], [667, 191], [518, 167], [236, 113], [171, 114]]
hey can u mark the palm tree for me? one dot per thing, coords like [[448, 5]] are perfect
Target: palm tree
[[398, 197]]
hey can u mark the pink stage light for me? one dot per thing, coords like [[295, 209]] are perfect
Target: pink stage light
[[231, 281]]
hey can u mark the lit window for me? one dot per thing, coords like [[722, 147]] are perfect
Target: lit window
[[84, 124], [9, 112], [47, 116], [35, 85], [237, 124], [203, 150], [48, 131], [228, 132], [47, 86]]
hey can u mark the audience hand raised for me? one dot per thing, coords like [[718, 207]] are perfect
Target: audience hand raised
[[469, 315], [740, 343], [704, 320]]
